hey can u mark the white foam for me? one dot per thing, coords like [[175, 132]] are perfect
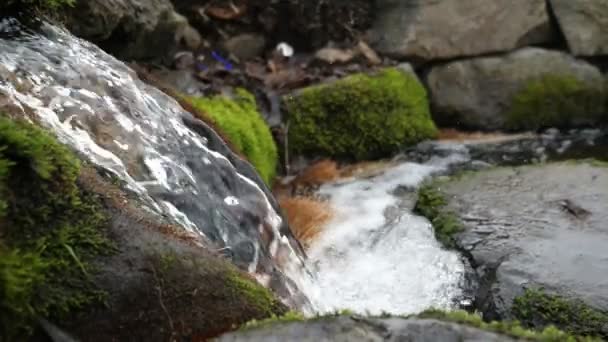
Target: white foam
[[231, 201], [367, 265]]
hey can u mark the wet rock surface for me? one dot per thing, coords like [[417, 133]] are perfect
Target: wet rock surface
[[366, 329], [515, 149], [540, 226], [162, 283], [178, 166]]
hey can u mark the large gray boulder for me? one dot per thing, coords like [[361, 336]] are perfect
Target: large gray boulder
[[527, 89], [537, 227], [132, 29], [584, 24], [441, 29], [345, 328]]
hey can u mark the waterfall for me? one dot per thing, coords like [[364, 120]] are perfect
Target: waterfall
[[374, 256], [174, 163]]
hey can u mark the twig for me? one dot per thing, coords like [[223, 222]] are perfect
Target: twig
[[286, 147], [160, 299]]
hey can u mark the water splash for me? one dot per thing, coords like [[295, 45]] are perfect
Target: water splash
[[376, 256]]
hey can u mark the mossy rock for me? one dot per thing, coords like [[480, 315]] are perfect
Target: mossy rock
[[516, 329], [431, 204], [240, 121], [49, 230], [558, 101], [75, 252], [429, 325], [360, 117], [538, 309]]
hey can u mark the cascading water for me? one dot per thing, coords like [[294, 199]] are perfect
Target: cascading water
[[174, 163], [374, 256]]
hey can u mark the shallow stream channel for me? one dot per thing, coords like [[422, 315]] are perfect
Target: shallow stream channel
[[377, 256]]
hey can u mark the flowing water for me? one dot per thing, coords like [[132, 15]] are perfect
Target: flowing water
[[99, 107], [374, 256]]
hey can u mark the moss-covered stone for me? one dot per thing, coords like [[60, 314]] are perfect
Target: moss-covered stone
[[239, 119], [255, 294], [557, 101], [162, 283], [49, 230], [431, 204], [508, 328], [360, 117], [291, 316], [537, 309], [511, 328]]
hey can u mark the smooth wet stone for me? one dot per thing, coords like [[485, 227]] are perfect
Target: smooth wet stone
[[549, 230]]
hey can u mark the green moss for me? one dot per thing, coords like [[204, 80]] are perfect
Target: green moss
[[49, 230], [537, 309], [431, 204], [291, 316], [253, 293], [557, 101], [240, 120], [514, 329], [509, 328], [360, 117]]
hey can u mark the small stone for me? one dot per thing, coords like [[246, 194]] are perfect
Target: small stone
[[245, 46]]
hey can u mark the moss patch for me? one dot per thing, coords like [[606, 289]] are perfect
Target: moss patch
[[537, 309], [240, 121], [514, 329], [360, 117], [202, 297], [509, 328], [49, 230], [557, 101], [431, 204], [254, 294], [291, 316]]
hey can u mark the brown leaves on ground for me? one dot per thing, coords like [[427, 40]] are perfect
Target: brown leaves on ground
[[323, 171], [366, 169], [306, 216]]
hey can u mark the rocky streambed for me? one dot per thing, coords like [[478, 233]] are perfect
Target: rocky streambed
[[527, 224], [135, 229]]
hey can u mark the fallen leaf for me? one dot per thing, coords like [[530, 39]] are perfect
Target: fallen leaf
[[333, 55], [232, 12]]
